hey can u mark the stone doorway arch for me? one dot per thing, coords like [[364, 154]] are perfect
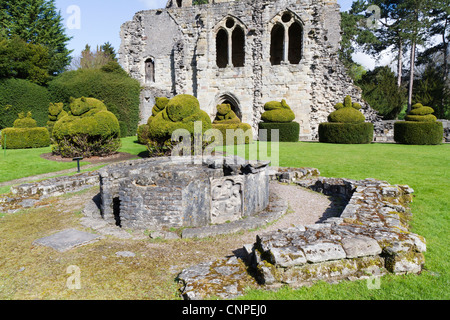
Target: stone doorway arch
[[229, 98]]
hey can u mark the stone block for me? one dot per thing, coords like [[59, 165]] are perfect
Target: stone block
[[360, 246], [326, 251], [67, 240]]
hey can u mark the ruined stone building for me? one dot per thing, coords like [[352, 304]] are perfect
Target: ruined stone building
[[244, 53]]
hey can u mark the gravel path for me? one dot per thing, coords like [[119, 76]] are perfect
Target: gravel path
[[305, 207]]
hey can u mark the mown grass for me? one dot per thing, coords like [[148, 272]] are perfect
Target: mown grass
[[30, 272], [16, 164], [427, 170]]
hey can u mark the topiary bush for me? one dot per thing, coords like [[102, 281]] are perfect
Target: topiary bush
[[279, 116], [419, 128], [287, 131], [277, 112], [55, 113], [118, 91], [346, 125], [226, 120], [143, 129], [181, 112], [25, 134], [88, 130]]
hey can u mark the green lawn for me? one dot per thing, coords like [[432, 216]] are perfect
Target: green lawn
[[425, 168], [22, 163]]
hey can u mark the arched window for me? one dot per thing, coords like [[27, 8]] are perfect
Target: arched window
[[286, 40], [277, 44], [149, 70], [295, 43], [230, 44], [222, 48], [238, 42], [179, 3]]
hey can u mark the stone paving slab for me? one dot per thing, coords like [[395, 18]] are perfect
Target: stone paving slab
[[67, 240]]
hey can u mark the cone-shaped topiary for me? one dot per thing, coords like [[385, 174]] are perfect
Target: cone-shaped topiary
[[227, 120], [88, 130], [279, 116], [419, 128], [25, 134], [346, 125]]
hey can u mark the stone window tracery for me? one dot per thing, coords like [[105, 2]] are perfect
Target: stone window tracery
[[230, 44], [286, 39]]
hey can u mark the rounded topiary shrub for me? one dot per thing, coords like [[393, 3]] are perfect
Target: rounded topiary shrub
[[346, 125], [181, 112], [419, 128], [25, 134], [230, 126], [88, 130], [118, 91], [279, 116]]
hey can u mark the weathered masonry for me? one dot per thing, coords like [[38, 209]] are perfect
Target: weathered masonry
[[244, 53]]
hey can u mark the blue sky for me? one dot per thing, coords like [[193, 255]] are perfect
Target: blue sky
[[100, 20]]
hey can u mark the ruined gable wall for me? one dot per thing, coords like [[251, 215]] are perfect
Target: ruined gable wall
[[183, 43]]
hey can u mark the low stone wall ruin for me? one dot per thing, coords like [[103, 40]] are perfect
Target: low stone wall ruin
[[370, 238], [167, 193]]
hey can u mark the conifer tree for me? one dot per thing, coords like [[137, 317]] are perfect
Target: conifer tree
[[38, 22]]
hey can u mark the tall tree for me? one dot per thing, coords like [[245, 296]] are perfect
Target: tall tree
[[415, 23], [38, 22]]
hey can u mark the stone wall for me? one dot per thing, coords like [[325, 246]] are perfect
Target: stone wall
[[167, 193], [180, 43], [369, 239]]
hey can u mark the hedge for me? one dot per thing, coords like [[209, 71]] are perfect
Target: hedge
[[239, 130], [16, 96], [24, 138], [119, 92], [288, 131], [346, 133], [418, 133]]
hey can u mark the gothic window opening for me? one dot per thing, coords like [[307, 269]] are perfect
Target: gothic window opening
[[286, 43], [149, 70], [277, 44], [222, 48], [295, 43], [230, 44], [179, 3], [238, 43]]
